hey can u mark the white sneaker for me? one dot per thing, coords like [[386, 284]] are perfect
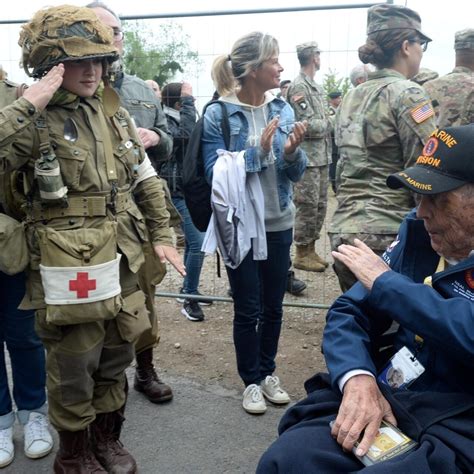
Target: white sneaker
[[38, 439], [7, 450], [272, 391], [253, 400]]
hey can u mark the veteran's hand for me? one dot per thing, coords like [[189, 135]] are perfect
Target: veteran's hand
[[296, 137], [361, 411], [41, 92], [166, 253], [361, 261], [148, 137]]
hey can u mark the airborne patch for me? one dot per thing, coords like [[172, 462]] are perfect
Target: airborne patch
[[422, 112]]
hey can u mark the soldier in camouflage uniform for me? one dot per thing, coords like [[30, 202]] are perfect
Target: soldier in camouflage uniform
[[453, 94], [91, 196], [424, 75], [144, 107], [310, 194], [381, 129]]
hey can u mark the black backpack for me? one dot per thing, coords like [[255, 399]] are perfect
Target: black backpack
[[197, 192]]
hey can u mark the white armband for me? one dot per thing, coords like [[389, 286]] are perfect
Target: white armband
[[145, 171]]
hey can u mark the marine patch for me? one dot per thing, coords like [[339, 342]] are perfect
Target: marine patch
[[422, 112], [430, 147]]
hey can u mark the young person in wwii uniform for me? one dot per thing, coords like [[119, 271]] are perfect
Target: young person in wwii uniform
[[92, 195]]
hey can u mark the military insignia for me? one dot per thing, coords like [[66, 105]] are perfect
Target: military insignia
[[430, 147], [469, 276], [297, 98], [422, 112], [303, 105]]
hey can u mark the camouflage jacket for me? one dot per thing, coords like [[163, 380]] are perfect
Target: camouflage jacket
[[84, 172], [381, 128], [453, 97], [308, 101]]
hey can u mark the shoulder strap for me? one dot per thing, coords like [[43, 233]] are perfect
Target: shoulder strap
[[225, 120]]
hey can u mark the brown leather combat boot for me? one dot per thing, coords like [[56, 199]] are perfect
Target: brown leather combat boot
[[306, 259], [75, 456], [147, 380], [106, 445]]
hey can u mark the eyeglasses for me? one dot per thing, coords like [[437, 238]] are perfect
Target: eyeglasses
[[118, 33], [422, 42]]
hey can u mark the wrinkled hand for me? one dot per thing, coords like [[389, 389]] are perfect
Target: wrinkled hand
[[148, 138], [268, 133], [361, 261], [41, 92], [296, 137], [362, 409], [169, 254]]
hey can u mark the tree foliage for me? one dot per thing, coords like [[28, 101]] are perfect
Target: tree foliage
[[157, 54], [332, 83]]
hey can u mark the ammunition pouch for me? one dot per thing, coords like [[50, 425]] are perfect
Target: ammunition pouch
[[80, 273]]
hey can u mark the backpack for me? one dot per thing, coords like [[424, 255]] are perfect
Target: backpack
[[196, 190]]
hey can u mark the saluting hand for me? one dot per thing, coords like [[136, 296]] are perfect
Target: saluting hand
[[41, 92], [166, 253], [296, 137]]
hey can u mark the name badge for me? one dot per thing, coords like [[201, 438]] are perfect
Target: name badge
[[402, 370]]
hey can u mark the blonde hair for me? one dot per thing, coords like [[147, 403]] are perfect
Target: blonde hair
[[248, 53]]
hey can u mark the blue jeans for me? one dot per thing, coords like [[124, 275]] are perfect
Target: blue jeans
[[258, 288], [17, 331], [193, 257]]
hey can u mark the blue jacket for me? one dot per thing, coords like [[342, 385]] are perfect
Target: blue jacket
[[443, 316], [289, 169]]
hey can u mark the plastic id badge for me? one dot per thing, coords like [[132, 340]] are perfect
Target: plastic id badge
[[402, 370]]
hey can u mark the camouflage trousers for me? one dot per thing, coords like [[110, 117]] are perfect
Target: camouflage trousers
[[376, 242], [310, 198], [150, 274], [86, 364]]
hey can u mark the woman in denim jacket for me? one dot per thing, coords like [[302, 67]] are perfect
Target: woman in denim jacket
[[265, 128]]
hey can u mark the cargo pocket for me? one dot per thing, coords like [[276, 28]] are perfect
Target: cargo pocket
[[71, 162], [132, 320], [80, 274]]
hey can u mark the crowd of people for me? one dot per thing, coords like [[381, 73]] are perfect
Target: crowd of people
[[91, 185]]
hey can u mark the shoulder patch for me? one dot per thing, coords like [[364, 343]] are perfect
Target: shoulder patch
[[422, 112], [297, 98]]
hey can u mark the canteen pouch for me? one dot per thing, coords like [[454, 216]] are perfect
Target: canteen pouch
[[80, 274], [50, 182], [133, 320], [14, 256]]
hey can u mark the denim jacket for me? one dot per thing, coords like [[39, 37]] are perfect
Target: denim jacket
[[290, 168]]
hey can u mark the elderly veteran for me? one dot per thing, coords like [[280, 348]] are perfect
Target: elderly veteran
[[425, 284]]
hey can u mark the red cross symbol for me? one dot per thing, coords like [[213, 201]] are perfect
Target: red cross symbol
[[82, 285]]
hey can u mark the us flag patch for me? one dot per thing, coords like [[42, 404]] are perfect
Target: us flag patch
[[422, 112]]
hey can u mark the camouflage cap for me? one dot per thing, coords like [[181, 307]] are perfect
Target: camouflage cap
[[464, 39], [390, 17], [308, 45], [64, 33]]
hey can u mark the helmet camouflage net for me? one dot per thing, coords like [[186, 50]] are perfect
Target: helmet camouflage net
[[64, 33]]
